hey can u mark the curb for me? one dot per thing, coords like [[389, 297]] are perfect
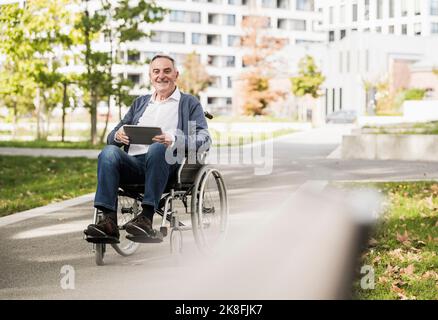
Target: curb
[[36, 212]]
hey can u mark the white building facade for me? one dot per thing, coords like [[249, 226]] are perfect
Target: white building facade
[[371, 41], [212, 29], [398, 17]]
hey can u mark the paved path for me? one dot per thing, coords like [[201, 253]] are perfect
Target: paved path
[[34, 250]]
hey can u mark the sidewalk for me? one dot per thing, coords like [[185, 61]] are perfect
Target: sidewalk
[[43, 152]]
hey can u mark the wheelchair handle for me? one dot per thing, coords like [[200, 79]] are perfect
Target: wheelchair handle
[[208, 115]]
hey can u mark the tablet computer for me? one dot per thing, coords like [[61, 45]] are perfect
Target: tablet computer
[[141, 134]]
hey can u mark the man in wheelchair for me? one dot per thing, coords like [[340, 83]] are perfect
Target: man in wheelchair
[[184, 126]]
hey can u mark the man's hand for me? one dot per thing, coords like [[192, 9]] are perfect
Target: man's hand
[[166, 139], [121, 136]]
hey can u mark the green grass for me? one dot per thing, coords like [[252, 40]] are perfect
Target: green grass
[[29, 182], [403, 250], [428, 128], [50, 144]]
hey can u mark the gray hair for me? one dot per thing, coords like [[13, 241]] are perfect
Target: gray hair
[[165, 56]]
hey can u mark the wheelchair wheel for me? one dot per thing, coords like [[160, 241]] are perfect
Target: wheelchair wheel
[[127, 209], [209, 209]]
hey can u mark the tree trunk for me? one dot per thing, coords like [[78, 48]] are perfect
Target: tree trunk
[[14, 129], [102, 137], [93, 113], [38, 111], [64, 107]]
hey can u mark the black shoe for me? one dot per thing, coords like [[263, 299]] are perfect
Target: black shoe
[[106, 231], [140, 226], [140, 230]]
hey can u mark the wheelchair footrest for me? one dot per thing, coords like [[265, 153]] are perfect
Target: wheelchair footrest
[[106, 240], [143, 239]]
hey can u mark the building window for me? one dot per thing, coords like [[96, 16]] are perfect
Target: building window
[[229, 19], [417, 7], [233, 41], [133, 56], [213, 40], [168, 37], [367, 10], [343, 33], [379, 29], [216, 82], [391, 29], [354, 12], [331, 36], [333, 99], [434, 7], [269, 3], [391, 8], [283, 4], [185, 16], [404, 29], [206, 39], [229, 82], [305, 5], [134, 78], [379, 9], [340, 98], [298, 25], [237, 2], [404, 8], [417, 29], [230, 61], [434, 27]]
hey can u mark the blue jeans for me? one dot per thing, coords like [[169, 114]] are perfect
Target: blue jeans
[[115, 167]]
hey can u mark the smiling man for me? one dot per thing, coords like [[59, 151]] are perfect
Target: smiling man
[[176, 113]]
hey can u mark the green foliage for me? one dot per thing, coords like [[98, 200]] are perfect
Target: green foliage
[[33, 39], [414, 94], [309, 80], [120, 22]]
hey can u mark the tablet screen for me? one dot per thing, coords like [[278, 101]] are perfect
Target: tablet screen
[[141, 134]]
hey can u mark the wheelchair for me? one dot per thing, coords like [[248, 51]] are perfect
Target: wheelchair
[[201, 193]]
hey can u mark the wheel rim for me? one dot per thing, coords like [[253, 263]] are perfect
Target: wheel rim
[[127, 209], [211, 211]]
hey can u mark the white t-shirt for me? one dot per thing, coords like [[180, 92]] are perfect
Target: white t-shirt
[[163, 114]]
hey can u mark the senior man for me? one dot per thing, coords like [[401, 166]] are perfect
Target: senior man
[[173, 111]]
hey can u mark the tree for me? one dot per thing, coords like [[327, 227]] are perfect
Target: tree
[[309, 79], [16, 88], [308, 83], [32, 39], [258, 49], [120, 22], [194, 78]]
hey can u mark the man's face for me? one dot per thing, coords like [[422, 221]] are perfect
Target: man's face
[[163, 75]]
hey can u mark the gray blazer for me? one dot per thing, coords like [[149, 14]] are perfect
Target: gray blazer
[[193, 129]]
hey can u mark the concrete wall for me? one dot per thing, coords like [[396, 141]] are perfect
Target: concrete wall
[[390, 147]]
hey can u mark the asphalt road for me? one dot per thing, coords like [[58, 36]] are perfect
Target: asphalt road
[[34, 251]]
